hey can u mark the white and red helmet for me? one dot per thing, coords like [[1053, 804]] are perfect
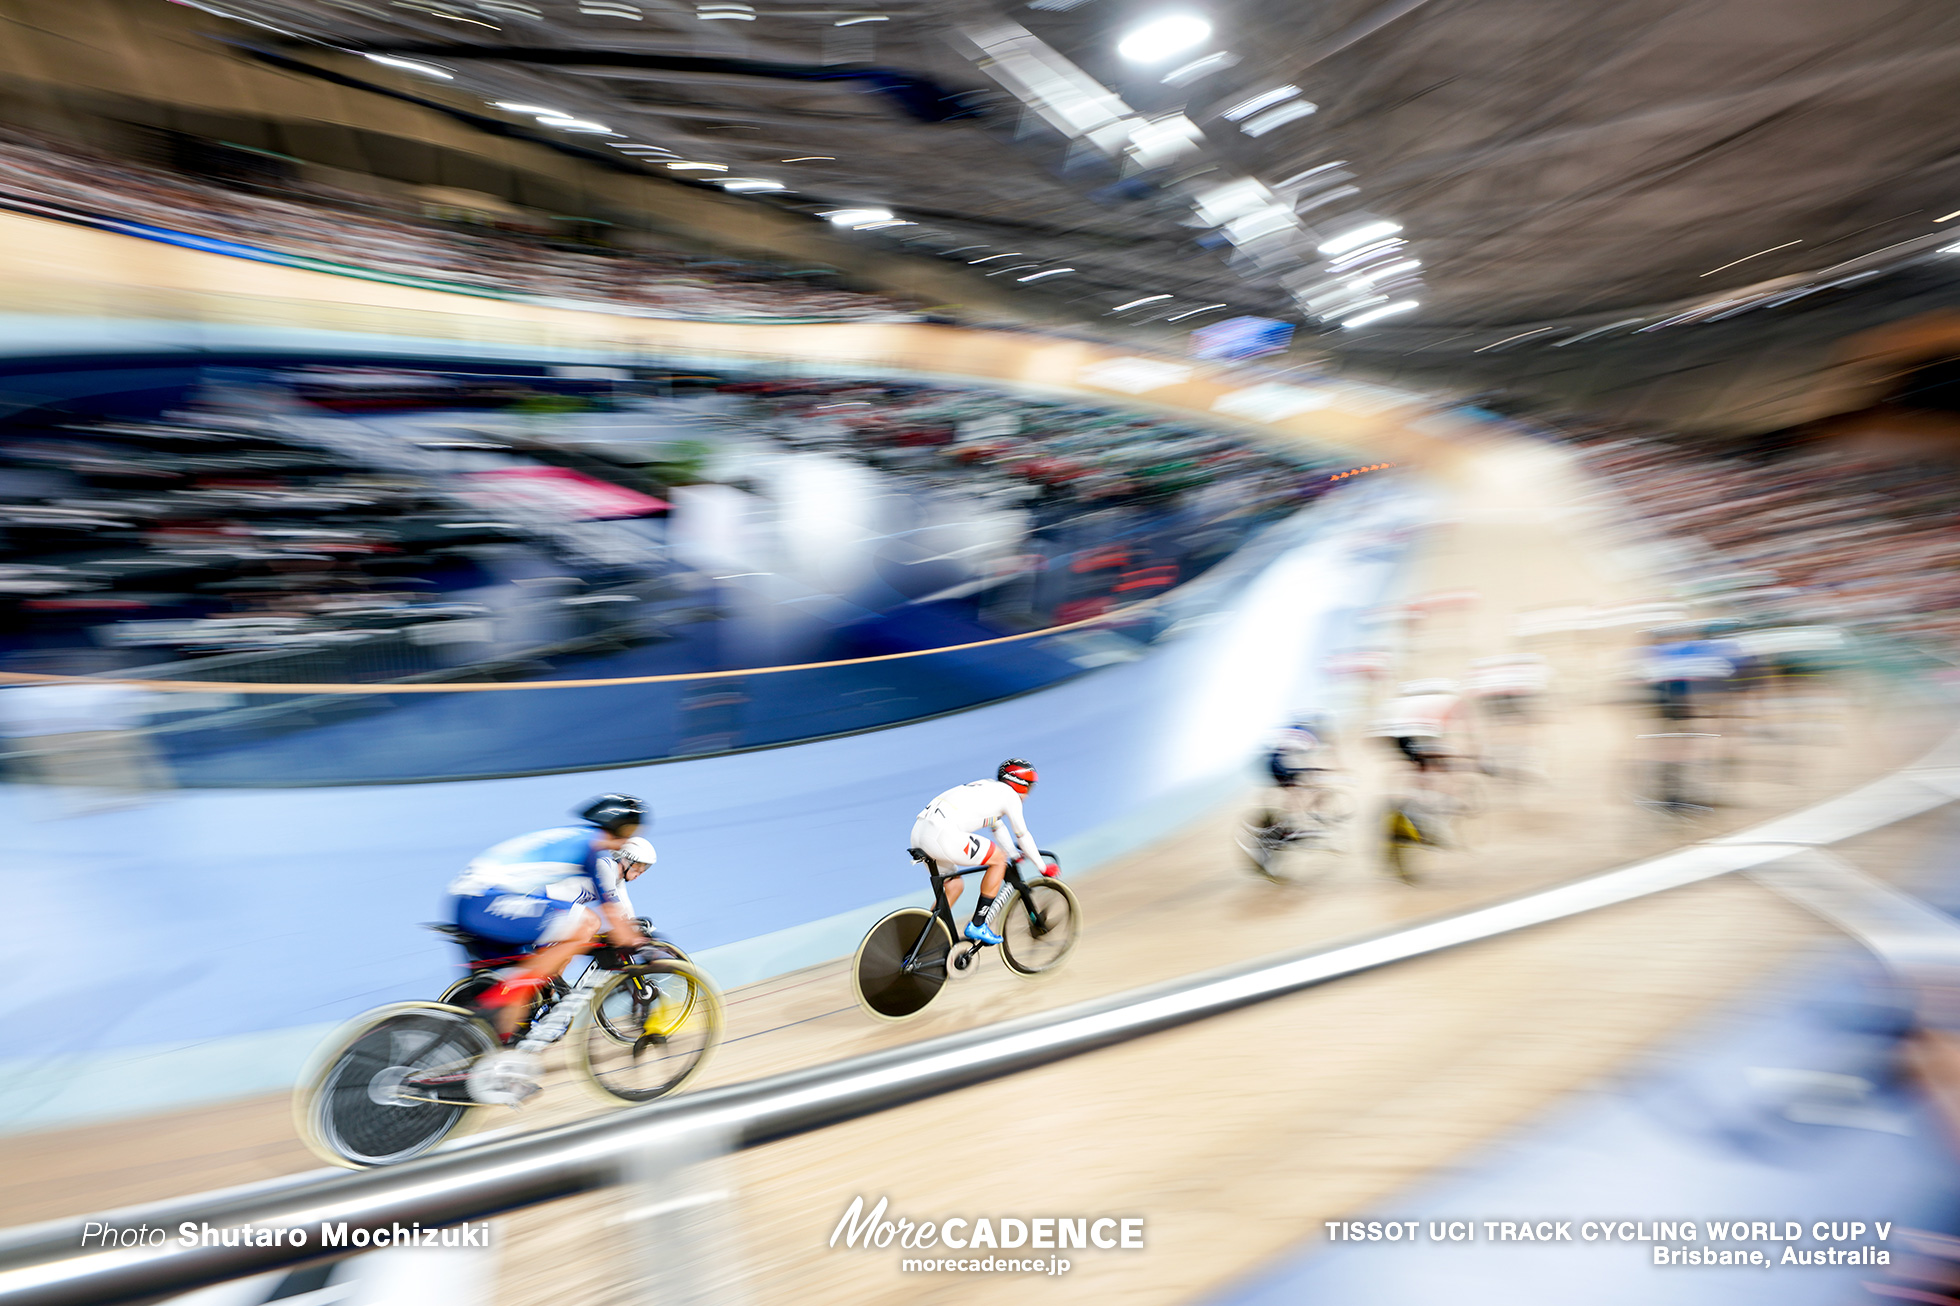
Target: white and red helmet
[[1017, 774]]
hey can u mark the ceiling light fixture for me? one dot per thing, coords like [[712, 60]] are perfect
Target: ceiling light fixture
[[1573, 340], [1383, 273], [1367, 254], [1193, 312], [749, 185], [1263, 100], [1758, 254], [974, 262], [1376, 315], [427, 70], [1279, 117], [1535, 331], [856, 217], [868, 18], [538, 109], [1359, 236], [1147, 299], [1051, 272], [1299, 177], [812, 158], [883, 224], [698, 167], [1163, 38], [1191, 72]]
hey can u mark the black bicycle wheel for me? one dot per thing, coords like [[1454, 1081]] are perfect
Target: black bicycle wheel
[[884, 986], [1039, 927], [651, 1031], [391, 1086]]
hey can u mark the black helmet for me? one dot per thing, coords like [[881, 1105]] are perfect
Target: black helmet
[[610, 812], [1016, 774]]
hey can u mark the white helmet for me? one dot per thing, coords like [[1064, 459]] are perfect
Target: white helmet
[[635, 852]]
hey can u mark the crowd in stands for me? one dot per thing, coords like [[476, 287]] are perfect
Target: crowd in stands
[[1120, 507], [1863, 544], [130, 542], [316, 221], [133, 541], [1060, 455]]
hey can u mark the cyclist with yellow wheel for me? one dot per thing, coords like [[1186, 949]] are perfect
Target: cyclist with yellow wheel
[[553, 890]]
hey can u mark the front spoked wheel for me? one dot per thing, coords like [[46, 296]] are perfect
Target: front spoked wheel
[[1287, 850], [1039, 927], [651, 1029], [389, 1085], [885, 986]]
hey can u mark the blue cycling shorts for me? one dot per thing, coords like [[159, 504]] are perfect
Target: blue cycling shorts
[[519, 917]]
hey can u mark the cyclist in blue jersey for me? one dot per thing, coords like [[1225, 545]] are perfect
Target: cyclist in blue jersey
[[554, 890]]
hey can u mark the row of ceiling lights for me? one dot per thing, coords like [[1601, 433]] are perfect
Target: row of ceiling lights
[[1362, 262], [855, 218]]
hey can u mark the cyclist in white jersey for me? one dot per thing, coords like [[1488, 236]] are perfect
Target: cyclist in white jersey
[[947, 832], [1425, 723]]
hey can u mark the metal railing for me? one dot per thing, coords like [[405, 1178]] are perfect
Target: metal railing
[[45, 1265]]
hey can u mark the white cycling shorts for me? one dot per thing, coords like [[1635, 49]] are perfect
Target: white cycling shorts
[[949, 847]]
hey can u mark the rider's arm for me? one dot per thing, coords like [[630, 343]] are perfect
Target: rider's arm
[[621, 929], [1012, 818]]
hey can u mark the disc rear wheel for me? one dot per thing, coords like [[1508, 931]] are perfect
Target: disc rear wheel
[[885, 987], [390, 1085]]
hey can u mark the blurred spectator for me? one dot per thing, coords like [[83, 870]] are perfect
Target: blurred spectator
[[1813, 538]]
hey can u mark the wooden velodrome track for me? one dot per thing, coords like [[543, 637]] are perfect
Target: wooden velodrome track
[[1234, 1138]]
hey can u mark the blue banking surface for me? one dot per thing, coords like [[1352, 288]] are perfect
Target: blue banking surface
[[239, 923]]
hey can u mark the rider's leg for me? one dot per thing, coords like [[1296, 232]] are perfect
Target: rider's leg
[[981, 928], [573, 934]]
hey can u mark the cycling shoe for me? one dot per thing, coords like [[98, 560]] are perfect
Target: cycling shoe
[[980, 934], [508, 1078]]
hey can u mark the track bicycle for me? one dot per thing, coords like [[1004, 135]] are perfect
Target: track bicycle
[[1417, 823], [1294, 835], [486, 957], [394, 1082], [907, 957]]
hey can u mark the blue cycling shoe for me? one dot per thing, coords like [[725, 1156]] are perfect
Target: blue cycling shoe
[[980, 934]]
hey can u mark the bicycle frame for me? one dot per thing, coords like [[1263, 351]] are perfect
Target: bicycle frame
[[942, 909]]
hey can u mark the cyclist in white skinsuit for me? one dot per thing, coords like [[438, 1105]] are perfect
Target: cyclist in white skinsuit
[[1423, 724], [946, 832]]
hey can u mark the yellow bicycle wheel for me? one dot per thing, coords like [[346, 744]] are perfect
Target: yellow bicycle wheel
[[649, 1031]]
